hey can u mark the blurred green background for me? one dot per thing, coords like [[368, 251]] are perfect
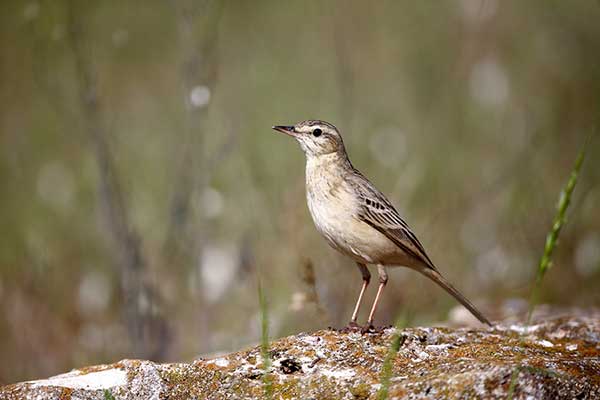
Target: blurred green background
[[144, 193]]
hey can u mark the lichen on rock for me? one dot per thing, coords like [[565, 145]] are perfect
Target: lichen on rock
[[552, 359]]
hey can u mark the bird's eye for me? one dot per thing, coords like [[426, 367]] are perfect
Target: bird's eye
[[317, 132]]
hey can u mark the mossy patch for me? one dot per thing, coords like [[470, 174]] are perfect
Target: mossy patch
[[558, 358]]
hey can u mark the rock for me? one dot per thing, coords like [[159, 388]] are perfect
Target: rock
[[556, 358]]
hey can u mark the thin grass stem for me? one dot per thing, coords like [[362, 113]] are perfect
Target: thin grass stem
[[552, 238]]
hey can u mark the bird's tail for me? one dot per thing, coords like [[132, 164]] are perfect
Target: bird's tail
[[440, 280]]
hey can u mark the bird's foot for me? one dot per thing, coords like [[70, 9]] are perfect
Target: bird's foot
[[351, 327], [370, 328], [364, 329]]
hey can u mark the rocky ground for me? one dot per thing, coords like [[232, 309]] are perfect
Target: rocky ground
[[555, 358]]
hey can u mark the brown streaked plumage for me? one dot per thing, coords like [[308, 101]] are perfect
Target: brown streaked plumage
[[357, 219]]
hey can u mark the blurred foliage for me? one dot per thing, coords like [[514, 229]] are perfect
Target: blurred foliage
[[137, 157]]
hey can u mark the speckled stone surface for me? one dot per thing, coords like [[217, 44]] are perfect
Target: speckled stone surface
[[556, 358]]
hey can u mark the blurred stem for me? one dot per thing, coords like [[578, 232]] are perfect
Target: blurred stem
[[343, 48], [197, 24], [147, 331], [552, 238], [308, 276], [199, 67]]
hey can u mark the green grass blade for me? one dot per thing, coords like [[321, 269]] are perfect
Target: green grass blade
[[386, 369], [552, 237], [526, 368], [264, 343], [513, 383], [108, 395]]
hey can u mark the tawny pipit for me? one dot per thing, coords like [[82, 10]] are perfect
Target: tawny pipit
[[357, 219]]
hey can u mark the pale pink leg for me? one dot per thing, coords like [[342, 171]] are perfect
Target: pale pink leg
[[383, 278], [366, 275]]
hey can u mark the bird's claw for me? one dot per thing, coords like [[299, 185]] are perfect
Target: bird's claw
[[351, 327], [369, 328], [364, 329]]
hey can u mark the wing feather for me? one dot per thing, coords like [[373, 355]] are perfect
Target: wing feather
[[377, 211]]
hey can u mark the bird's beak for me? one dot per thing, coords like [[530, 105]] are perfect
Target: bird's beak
[[288, 130]]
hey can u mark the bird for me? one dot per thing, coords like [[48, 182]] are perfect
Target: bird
[[358, 220]]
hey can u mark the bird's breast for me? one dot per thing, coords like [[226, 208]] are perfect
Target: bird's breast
[[330, 203], [334, 207]]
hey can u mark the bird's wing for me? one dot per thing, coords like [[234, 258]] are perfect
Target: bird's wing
[[377, 211]]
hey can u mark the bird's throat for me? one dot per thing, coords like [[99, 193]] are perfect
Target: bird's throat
[[326, 162]]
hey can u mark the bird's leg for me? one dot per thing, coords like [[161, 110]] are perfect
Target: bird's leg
[[383, 278], [366, 276]]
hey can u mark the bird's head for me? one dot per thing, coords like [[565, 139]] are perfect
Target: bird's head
[[315, 137]]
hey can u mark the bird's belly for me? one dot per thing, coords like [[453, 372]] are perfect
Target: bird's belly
[[340, 226]]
